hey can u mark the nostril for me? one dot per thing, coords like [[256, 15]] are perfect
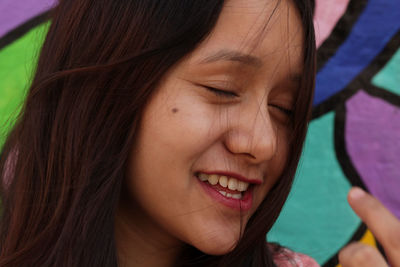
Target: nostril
[[239, 143]]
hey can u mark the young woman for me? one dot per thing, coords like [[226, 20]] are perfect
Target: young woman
[[159, 133]]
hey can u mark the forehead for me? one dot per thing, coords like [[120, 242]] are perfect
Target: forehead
[[268, 30]]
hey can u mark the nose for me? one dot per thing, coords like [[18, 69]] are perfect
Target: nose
[[252, 135]]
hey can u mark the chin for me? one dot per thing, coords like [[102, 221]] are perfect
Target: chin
[[217, 246], [216, 250]]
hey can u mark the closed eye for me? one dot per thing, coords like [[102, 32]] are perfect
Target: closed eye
[[286, 111], [219, 92], [229, 94]]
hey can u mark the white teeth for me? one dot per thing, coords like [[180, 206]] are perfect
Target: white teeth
[[223, 193], [232, 184], [213, 179], [235, 196], [242, 186], [223, 181], [203, 177]]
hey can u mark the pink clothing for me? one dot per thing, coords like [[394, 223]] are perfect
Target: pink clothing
[[288, 258]]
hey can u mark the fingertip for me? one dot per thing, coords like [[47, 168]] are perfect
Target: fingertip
[[358, 254], [357, 198], [356, 193]]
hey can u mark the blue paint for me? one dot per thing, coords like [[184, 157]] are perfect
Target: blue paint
[[379, 22]]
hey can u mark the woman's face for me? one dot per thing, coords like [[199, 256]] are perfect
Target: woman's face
[[213, 139]]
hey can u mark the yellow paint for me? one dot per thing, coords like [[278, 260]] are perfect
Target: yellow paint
[[367, 239]]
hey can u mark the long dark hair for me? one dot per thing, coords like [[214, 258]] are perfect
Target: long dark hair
[[63, 163]]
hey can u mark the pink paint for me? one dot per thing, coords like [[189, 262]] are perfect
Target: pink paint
[[327, 14]]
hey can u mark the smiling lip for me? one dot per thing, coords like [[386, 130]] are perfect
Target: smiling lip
[[243, 204]]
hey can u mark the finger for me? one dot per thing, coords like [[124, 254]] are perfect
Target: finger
[[358, 254], [382, 223]]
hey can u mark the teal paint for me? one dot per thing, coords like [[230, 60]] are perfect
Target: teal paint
[[389, 76], [317, 220]]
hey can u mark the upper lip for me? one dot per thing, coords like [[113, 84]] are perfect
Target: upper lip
[[234, 175]]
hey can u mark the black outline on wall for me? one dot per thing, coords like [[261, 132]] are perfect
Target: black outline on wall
[[363, 81], [340, 32], [22, 29]]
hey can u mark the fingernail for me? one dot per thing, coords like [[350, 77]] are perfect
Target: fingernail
[[357, 193]]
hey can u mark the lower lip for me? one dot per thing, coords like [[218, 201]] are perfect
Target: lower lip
[[243, 204]]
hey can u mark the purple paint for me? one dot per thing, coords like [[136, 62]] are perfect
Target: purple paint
[[373, 142], [14, 13]]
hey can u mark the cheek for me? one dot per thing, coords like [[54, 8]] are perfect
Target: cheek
[[276, 166], [161, 181], [177, 128], [283, 147]]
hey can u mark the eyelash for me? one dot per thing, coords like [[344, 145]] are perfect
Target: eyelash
[[288, 112], [229, 94], [220, 92]]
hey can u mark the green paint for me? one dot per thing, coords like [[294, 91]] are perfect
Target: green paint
[[17, 62], [317, 220], [389, 77]]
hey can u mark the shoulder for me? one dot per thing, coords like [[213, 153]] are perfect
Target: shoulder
[[288, 258]]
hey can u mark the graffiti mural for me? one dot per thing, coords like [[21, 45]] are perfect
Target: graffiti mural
[[354, 136]]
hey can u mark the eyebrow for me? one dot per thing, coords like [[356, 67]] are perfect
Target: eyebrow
[[243, 58], [235, 56]]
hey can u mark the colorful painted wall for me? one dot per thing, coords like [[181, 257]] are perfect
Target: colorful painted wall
[[354, 137]]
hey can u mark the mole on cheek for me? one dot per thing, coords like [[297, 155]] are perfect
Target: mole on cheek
[[174, 110]]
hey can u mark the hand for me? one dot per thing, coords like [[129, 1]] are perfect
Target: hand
[[383, 224]]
